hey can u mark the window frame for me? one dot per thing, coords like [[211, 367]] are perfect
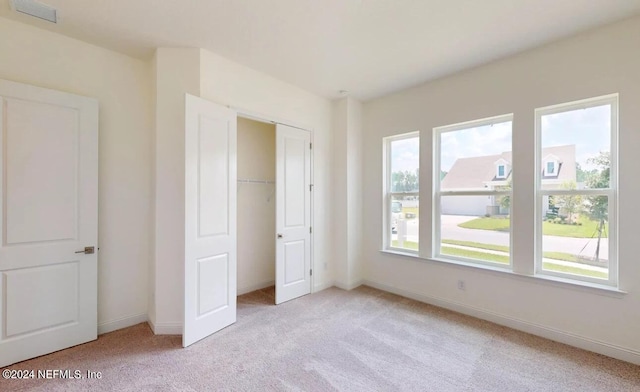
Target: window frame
[[611, 192], [388, 194], [438, 193]]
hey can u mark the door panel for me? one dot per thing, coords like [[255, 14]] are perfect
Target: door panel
[[210, 219], [294, 270], [213, 186], [213, 277], [54, 303], [48, 291], [293, 213], [48, 185]]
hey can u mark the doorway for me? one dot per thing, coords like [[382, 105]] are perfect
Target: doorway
[[212, 235], [256, 205]]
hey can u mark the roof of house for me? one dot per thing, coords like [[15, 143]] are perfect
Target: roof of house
[[476, 172]]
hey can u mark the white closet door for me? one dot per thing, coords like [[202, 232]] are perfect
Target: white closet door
[[293, 213], [210, 219], [49, 187]]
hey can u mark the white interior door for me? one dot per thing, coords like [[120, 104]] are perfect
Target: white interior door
[[293, 213], [49, 190], [210, 219]]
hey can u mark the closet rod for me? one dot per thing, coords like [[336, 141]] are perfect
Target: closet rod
[[251, 181]]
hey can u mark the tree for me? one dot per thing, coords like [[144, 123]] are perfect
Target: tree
[[571, 204], [405, 181], [582, 175], [597, 207], [504, 201]]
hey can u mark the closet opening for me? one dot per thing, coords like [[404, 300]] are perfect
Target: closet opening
[[256, 213]]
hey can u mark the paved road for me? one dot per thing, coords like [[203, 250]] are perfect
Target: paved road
[[450, 230]]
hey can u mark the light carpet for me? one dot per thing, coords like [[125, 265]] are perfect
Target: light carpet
[[361, 340]]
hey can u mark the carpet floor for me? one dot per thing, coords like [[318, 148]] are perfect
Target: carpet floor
[[361, 340]]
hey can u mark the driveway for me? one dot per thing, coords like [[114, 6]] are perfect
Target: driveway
[[450, 230]]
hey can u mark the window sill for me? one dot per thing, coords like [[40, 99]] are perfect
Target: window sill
[[594, 288], [399, 252]]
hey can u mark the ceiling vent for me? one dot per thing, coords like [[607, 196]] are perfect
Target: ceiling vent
[[35, 9]]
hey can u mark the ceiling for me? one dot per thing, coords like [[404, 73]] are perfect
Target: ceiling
[[368, 47]]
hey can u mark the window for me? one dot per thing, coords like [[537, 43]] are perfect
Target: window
[[402, 185], [551, 168], [471, 202], [576, 193]]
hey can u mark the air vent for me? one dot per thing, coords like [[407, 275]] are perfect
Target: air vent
[[35, 9]]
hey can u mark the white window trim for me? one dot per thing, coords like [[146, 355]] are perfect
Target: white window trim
[[438, 193], [387, 194], [611, 192]]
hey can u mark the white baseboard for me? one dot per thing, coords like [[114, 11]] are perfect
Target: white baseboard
[[166, 328], [255, 287], [557, 335], [349, 286], [120, 323], [323, 286]]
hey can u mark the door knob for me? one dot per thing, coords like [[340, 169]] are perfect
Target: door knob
[[280, 235], [88, 250]]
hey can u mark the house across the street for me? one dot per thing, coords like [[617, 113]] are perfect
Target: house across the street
[[493, 172]]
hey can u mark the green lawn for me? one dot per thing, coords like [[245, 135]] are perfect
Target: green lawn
[[586, 230], [502, 248], [411, 210], [504, 259], [407, 245], [471, 244], [474, 254]]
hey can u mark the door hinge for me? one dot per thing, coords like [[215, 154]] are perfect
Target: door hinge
[[310, 230], [310, 146], [310, 187], [310, 272]]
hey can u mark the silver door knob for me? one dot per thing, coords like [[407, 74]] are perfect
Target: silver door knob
[[88, 250], [280, 235]]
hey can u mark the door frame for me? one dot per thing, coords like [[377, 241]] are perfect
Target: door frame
[[259, 117]]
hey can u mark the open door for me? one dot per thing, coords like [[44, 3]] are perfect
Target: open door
[[49, 223], [210, 219], [293, 213]]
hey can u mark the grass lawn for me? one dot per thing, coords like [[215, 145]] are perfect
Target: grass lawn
[[407, 245], [504, 259], [411, 210], [586, 230], [502, 248]]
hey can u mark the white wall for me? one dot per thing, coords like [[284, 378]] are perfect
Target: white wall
[[354, 170], [177, 71], [256, 205], [122, 86], [247, 90], [347, 191], [596, 63]]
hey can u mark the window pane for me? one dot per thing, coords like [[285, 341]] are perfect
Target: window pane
[[470, 159], [405, 161], [404, 222], [477, 237], [575, 148], [575, 235]]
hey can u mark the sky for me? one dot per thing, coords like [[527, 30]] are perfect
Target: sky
[[588, 129]]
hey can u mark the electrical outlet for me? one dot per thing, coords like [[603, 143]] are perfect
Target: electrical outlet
[[461, 285]]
